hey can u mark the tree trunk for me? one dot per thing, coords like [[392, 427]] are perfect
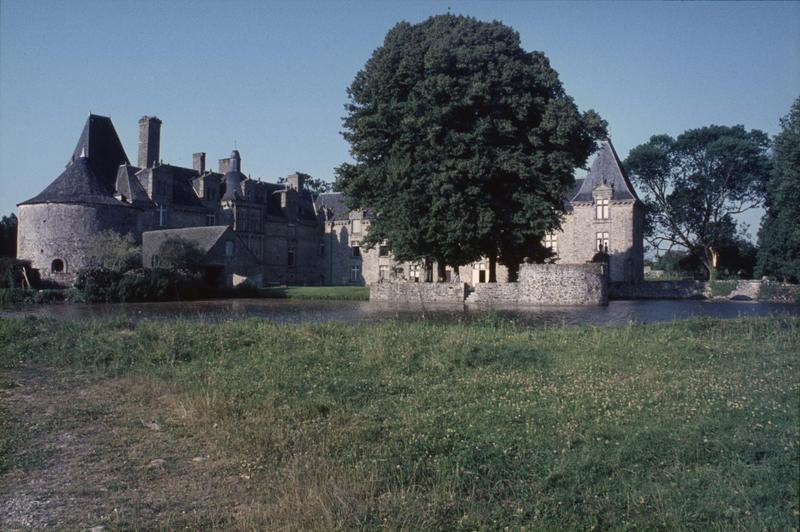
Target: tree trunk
[[712, 258], [493, 268], [513, 272], [441, 271]]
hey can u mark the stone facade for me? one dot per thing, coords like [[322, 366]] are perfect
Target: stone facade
[[739, 290]]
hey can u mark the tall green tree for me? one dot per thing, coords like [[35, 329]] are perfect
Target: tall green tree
[[464, 144], [779, 236], [696, 184], [8, 236]]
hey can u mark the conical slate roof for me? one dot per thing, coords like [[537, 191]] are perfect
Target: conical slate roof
[[77, 184], [607, 169], [91, 175]]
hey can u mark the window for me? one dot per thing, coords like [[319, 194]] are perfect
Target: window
[[154, 261], [355, 273], [230, 248], [356, 226], [162, 216], [602, 242], [290, 256], [211, 219], [383, 271], [551, 241], [356, 249], [601, 209], [414, 272], [322, 249], [57, 266], [383, 251]]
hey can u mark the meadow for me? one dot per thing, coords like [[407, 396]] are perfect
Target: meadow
[[400, 425]]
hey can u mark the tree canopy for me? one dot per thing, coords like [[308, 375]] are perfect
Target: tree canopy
[[464, 144], [779, 236], [8, 236], [696, 184]]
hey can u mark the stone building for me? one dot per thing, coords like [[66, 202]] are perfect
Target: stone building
[[101, 190], [603, 213], [284, 236], [226, 258]]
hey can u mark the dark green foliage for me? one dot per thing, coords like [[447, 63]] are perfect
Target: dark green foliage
[[779, 237], [11, 275], [8, 236], [464, 143], [696, 184], [180, 254], [104, 286]]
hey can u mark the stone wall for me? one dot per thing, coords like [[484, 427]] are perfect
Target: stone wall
[[548, 284], [406, 292], [738, 290], [66, 231]]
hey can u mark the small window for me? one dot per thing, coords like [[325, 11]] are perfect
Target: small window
[[601, 209], [57, 266], [551, 241], [290, 256], [230, 248], [154, 260], [602, 242], [383, 251], [383, 271], [356, 226], [355, 273], [211, 219], [162, 216], [322, 249], [356, 248]]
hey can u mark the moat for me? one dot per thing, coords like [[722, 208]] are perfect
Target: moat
[[304, 311]]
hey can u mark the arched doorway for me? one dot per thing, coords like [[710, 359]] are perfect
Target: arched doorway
[[58, 266]]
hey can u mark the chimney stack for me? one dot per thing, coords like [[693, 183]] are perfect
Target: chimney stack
[[296, 181], [149, 141], [199, 162]]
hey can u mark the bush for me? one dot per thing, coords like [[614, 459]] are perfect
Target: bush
[[11, 273], [16, 295], [144, 284]]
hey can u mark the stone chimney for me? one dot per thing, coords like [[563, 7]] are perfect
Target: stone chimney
[[295, 181], [224, 166], [199, 162], [149, 141]]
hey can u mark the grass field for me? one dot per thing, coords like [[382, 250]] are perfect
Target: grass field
[[251, 425], [351, 293]]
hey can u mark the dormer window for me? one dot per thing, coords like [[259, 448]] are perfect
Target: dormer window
[[601, 209]]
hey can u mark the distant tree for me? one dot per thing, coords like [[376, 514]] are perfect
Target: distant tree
[[696, 184], [779, 236], [314, 185], [464, 143], [8, 236], [178, 253], [115, 252]]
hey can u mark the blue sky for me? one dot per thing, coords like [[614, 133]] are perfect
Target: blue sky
[[271, 77]]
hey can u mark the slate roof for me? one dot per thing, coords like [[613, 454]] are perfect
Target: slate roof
[[204, 237], [78, 184], [129, 186], [335, 201], [91, 174], [606, 168]]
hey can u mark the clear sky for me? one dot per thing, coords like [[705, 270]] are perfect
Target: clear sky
[[271, 77]]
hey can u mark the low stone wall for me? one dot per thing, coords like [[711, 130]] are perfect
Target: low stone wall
[[415, 293], [737, 290], [548, 284]]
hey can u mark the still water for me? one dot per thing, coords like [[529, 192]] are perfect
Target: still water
[[297, 311]]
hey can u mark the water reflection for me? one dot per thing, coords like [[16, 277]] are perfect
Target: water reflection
[[300, 311]]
